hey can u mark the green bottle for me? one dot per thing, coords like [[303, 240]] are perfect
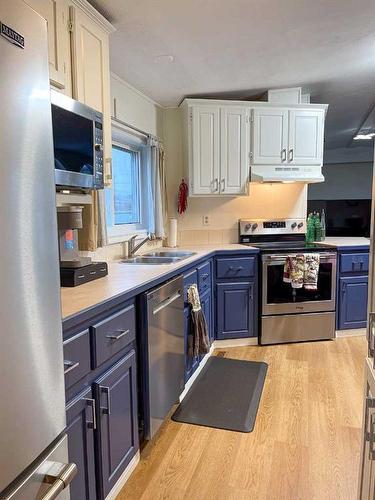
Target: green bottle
[[310, 230], [318, 228], [323, 224]]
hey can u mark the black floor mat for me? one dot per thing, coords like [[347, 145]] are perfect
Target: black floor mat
[[225, 395]]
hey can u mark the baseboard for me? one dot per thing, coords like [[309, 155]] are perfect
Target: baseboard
[[112, 495], [219, 344], [191, 380], [354, 332]]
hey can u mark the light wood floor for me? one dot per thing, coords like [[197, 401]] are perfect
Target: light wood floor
[[305, 444]]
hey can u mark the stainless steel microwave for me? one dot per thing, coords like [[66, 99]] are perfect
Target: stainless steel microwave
[[78, 143]]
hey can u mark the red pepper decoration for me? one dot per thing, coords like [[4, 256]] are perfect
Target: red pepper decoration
[[183, 192]]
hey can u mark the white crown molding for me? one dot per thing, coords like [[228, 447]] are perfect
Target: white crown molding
[[134, 89], [93, 14]]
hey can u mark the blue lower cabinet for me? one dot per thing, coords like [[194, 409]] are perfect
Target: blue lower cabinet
[[116, 395], [80, 415], [206, 304], [235, 310], [191, 363], [352, 302]]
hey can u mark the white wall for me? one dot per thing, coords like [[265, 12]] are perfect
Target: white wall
[[347, 181]]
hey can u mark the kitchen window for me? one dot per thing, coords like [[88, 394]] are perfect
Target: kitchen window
[[127, 200]]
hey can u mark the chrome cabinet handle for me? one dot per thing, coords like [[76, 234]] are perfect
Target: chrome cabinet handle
[[59, 476], [70, 366], [216, 181], [343, 288], [222, 188], [91, 402], [119, 335], [283, 155], [106, 390], [236, 269], [291, 155]]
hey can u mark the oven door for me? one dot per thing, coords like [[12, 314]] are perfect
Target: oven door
[[280, 298]]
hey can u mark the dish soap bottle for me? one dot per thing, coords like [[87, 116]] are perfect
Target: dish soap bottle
[[318, 228], [323, 224]]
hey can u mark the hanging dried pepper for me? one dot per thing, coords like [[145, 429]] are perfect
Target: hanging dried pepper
[[183, 192]]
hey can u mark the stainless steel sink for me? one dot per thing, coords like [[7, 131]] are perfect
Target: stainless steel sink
[[182, 254], [151, 260]]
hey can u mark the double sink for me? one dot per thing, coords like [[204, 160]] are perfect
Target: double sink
[[162, 257]]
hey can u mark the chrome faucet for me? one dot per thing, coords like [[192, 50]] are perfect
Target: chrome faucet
[[132, 247]]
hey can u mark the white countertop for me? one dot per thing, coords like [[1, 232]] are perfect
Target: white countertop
[[123, 278], [345, 241]]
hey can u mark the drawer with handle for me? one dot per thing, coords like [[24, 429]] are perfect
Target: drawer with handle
[[77, 362], [237, 267], [113, 334], [354, 262], [204, 276]]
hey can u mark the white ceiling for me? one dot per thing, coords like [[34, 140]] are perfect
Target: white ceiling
[[239, 48]]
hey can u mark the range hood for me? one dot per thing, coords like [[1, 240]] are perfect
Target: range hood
[[286, 173]]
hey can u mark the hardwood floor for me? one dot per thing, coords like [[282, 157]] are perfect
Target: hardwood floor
[[305, 444]]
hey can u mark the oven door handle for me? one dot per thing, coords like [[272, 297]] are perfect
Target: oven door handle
[[323, 257]]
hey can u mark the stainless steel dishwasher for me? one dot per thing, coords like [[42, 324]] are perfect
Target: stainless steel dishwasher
[[165, 351]]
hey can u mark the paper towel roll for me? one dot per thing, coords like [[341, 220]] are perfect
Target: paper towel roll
[[172, 233]]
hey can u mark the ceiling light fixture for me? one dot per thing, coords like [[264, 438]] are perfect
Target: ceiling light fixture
[[364, 137], [366, 131]]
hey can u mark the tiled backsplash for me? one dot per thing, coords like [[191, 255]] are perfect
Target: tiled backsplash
[[207, 237]]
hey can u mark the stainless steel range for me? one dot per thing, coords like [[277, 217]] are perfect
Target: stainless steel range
[[291, 314]]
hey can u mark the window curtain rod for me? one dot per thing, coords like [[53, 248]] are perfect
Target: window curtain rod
[[131, 127]]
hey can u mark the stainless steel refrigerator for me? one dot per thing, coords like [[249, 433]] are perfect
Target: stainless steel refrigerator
[[33, 447], [366, 489]]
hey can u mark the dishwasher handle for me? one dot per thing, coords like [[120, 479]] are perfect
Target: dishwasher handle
[[165, 303]]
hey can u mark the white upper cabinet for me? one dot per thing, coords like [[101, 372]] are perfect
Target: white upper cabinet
[[234, 143], [270, 136], [306, 135], [222, 139], [205, 134], [219, 150], [91, 77], [56, 13]]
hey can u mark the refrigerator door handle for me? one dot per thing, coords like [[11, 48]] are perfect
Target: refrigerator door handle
[[59, 476], [371, 334]]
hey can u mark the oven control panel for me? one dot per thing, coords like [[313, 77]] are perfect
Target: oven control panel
[[253, 227]]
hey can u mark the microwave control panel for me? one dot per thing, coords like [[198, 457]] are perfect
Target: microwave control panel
[[98, 155]]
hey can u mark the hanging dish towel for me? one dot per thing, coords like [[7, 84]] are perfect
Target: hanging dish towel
[[198, 339], [294, 270], [310, 279]]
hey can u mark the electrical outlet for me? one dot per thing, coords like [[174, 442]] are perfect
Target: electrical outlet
[[206, 220]]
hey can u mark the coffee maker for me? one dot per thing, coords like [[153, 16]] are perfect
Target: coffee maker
[[74, 269]]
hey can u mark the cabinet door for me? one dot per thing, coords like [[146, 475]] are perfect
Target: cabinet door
[[234, 142], [353, 302], [91, 77], [235, 310], [56, 13], [205, 150], [191, 363], [81, 423], [367, 469], [306, 134], [116, 395], [270, 136]]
